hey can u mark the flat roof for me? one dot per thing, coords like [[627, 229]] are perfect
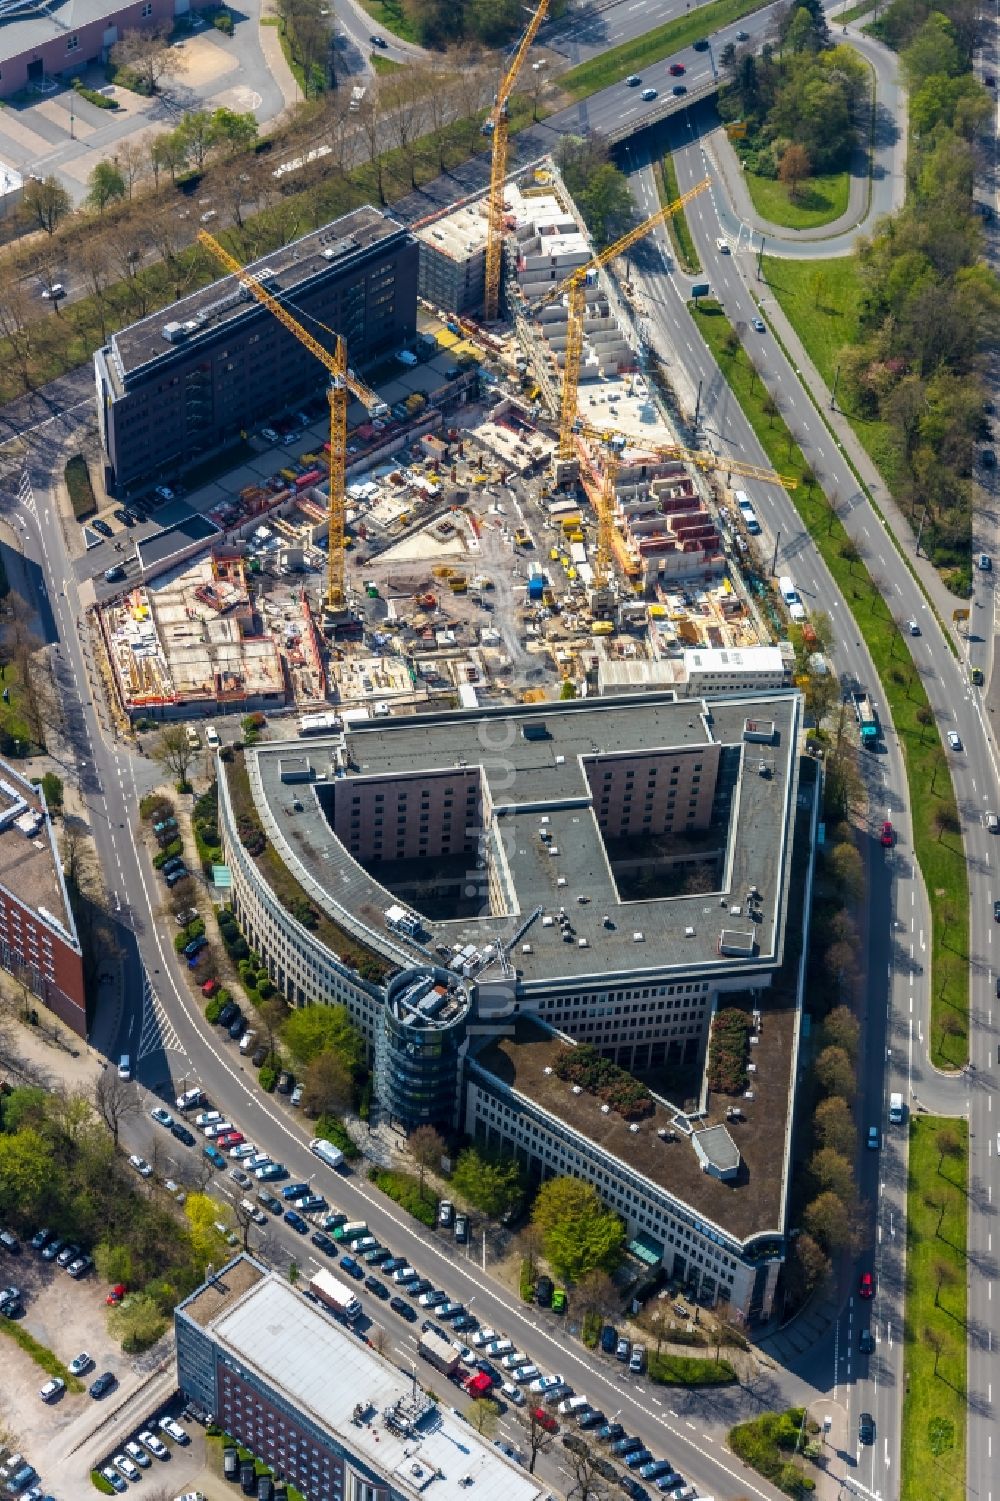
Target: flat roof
[[160, 546], [28, 26], [30, 869], [328, 1374], [748, 1206], [527, 778], [225, 301]]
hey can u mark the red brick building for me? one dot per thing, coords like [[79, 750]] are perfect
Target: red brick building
[[38, 939], [57, 41]]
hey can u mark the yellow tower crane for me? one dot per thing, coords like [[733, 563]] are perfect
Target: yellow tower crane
[[613, 446], [574, 288], [342, 380], [500, 120]]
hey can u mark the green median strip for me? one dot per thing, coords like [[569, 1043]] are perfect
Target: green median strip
[[933, 810], [937, 1332], [618, 62], [677, 225], [40, 1354]]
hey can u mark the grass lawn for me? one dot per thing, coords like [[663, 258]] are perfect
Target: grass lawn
[[384, 65], [389, 15], [932, 796], [677, 225], [618, 62], [689, 1370], [404, 1189], [817, 200], [936, 1331]]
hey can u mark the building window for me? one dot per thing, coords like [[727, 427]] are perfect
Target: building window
[[72, 43]]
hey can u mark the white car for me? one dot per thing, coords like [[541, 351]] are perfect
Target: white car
[[546, 1383], [524, 1373], [722, 246], [114, 1479], [482, 1338], [500, 1347], [243, 1149], [269, 435], [137, 1452], [217, 1128], [465, 1355], [515, 1358], [173, 1430], [53, 293], [80, 1363], [162, 1117], [206, 1117], [954, 740], [125, 1066], [125, 1467], [52, 1389], [913, 628], [512, 1393], [648, 95], [155, 1446], [141, 1166]]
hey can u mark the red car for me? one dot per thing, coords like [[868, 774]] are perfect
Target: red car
[[888, 835], [544, 1420], [230, 1139], [677, 69], [866, 1287], [210, 987], [116, 1294]]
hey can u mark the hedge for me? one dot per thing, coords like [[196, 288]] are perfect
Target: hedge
[[40, 1354], [527, 1282], [99, 1483], [81, 491], [613, 1086], [404, 1190], [332, 1129], [212, 1009], [93, 97], [729, 1051]]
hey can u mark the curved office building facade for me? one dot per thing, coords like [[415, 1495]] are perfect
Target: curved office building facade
[[420, 1046]]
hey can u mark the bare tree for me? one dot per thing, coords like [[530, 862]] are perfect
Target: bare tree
[[115, 1100], [539, 1440], [94, 262], [588, 1484], [427, 1148], [133, 163], [371, 121], [379, 1339], [17, 327], [326, 1084], [172, 751], [149, 55], [45, 202], [404, 103]]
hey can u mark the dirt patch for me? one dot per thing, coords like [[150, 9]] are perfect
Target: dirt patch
[[204, 62]]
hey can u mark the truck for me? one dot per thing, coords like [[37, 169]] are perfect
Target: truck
[[867, 718], [326, 1151], [335, 1295], [439, 1351]]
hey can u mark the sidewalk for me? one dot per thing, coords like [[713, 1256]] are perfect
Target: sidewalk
[[270, 45]]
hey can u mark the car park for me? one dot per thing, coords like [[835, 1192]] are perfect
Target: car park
[[102, 1384], [141, 1166], [80, 1363], [52, 1389]]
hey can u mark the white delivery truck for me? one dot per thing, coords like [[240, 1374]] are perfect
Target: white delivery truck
[[326, 1151], [335, 1295]]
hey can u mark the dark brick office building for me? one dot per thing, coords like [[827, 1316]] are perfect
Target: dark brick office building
[[186, 381]]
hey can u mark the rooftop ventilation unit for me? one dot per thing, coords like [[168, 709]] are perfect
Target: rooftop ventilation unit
[[605, 1109], [547, 1070], [526, 948], [634, 1129], [689, 932], [638, 938], [577, 1089]]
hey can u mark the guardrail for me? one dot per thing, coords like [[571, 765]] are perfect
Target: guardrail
[[661, 109]]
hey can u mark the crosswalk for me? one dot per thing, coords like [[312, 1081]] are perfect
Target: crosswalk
[[158, 1034]]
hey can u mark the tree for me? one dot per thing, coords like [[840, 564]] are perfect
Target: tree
[[207, 1244], [426, 1148], [167, 153], [484, 1414], [490, 1184], [828, 1223], [105, 185], [311, 1030], [232, 131], [45, 202], [273, 1015], [196, 135], [935, 1340], [26, 1168], [832, 1171], [945, 820], [587, 1482], [136, 1323], [149, 55], [847, 869], [794, 168], [944, 1276], [808, 1264], [116, 1100], [841, 1029], [539, 1440], [949, 1145], [327, 1085], [172, 751], [595, 1293], [113, 1263], [579, 1234], [835, 1072]]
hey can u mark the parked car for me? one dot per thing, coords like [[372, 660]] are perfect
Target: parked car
[[182, 1134], [156, 1446], [609, 1339], [544, 1288], [10, 1242], [80, 1363], [544, 1419], [137, 1454], [173, 1430], [141, 1166], [214, 1156], [52, 1389], [103, 1384], [116, 1481], [162, 1117]]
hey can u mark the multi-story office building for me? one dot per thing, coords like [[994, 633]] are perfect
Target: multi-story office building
[[38, 939], [186, 381], [499, 886], [320, 1407]]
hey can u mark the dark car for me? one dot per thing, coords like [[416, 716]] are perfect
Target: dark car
[[866, 1344], [544, 1288], [351, 1267], [679, 89], [593, 1420], [259, 1054], [404, 1309], [632, 1488], [610, 1433], [269, 1201], [293, 1218], [237, 1026], [464, 1322], [394, 1264], [626, 1445], [103, 1384], [228, 1012], [51, 1251], [866, 1428], [286, 1082], [701, 45], [609, 1339], [294, 1190], [378, 1254], [574, 1444], [422, 1285], [10, 1242], [638, 1457], [40, 1239], [182, 1134], [214, 1156], [325, 1243], [378, 1288], [378, 41]]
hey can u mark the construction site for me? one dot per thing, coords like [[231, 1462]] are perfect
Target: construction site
[[505, 514]]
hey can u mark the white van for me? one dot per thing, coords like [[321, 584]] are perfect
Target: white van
[[188, 1099], [895, 1108], [790, 595], [212, 736], [247, 1041], [571, 1405], [193, 738]]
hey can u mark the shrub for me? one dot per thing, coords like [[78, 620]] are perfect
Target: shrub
[[612, 1085], [223, 996], [526, 1284], [239, 950], [93, 97], [767, 1442], [728, 1051], [264, 987], [156, 808], [268, 1077], [332, 1128], [52, 788], [251, 833], [590, 1331], [81, 491], [175, 847], [99, 1483], [404, 1190], [213, 1008], [223, 22]]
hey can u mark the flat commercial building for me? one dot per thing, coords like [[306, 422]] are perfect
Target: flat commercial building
[[186, 381], [62, 39], [604, 872], [321, 1408], [38, 939]]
